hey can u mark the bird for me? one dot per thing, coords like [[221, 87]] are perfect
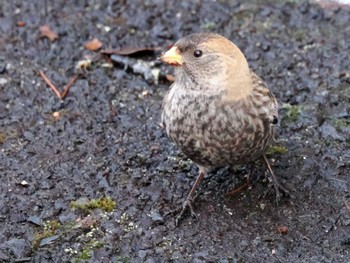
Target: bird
[[217, 111]]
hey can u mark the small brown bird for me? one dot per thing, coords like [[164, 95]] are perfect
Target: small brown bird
[[218, 111]]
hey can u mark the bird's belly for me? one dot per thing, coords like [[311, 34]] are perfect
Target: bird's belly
[[213, 136], [216, 147]]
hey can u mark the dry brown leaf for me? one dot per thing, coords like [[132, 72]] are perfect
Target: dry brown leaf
[[127, 51], [21, 23], [283, 230], [47, 32], [93, 45]]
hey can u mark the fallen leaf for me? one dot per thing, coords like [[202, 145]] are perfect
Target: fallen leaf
[[127, 51], [47, 32], [93, 45], [21, 23], [282, 229]]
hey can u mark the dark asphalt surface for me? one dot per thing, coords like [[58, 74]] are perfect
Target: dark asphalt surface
[[107, 141]]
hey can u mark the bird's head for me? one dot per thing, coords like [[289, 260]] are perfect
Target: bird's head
[[207, 60]]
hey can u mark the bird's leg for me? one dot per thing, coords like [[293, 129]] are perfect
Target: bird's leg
[[278, 187], [189, 198]]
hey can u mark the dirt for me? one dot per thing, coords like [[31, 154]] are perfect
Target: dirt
[[94, 178]]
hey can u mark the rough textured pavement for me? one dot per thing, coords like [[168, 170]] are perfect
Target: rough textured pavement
[[60, 176]]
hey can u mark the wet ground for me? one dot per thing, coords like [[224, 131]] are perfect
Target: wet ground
[[93, 178]]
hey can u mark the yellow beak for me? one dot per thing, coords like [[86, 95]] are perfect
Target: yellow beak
[[172, 57]]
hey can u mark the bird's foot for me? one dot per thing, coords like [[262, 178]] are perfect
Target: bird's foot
[[187, 204], [190, 199], [276, 184], [279, 189]]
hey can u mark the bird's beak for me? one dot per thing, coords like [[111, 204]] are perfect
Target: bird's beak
[[172, 57]]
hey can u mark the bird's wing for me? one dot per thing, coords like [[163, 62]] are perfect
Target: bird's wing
[[261, 88]]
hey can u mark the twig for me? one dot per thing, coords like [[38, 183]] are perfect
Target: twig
[[48, 82], [66, 89], [239, 189], [70, 83]]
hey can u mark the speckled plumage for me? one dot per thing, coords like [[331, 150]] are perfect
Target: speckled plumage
[[213, 132], [218, 111]]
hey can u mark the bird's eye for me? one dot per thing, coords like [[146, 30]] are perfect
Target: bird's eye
[[198, 53]]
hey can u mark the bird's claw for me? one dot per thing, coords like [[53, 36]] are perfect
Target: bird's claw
[[279, 190], [187, 204], [278, 187]]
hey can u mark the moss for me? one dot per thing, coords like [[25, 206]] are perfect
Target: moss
[[340, 123], [87, 236], [208, 26], [275, 149], [50, 229], [141, 159], [105, 204], [85, 254], [292, 114], [123, 259]]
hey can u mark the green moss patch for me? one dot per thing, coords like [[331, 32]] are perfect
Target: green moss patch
[[104, 203], [50, 229], [275, 149]]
